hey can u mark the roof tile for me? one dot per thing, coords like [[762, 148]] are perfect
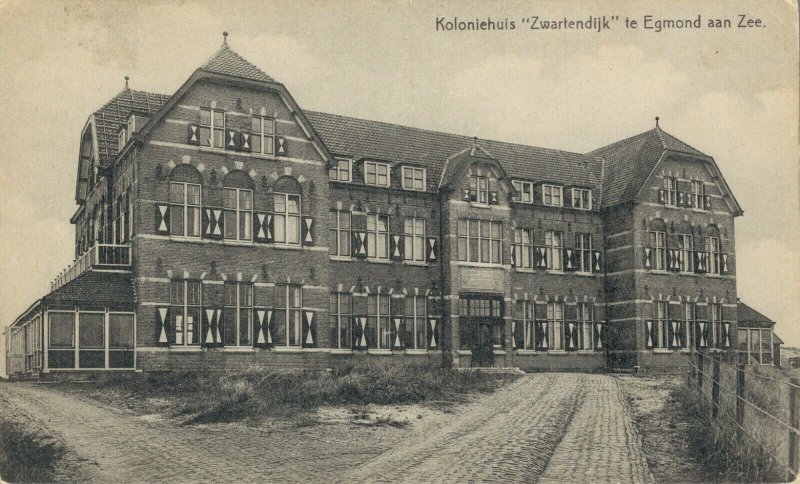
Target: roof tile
[[226, 61]]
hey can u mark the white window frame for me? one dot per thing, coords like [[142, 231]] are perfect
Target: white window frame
[[713, 248], [523, 248], [494, 242], [237, 211], [237, 308], [414, 178], [383, 327], [525, 312], [583, 249], [552, 195], [687, 253], [335, 173], [524, 191], [698, 194], [376, 166], [585, 313], [122, 138], [417, 319], [185, 207], [214, 114], [715, 320], [374, 235], [671, 187], [479, 189], [267, 140], [660, 320], [414, 239], [340, 318], [555, 326], [285, 217], [554, 247], [336, 232], [578, 201], [689, 321], [197, 328], [658, 244], [291, 327]]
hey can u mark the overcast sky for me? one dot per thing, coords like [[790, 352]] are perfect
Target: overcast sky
[[731, 93]]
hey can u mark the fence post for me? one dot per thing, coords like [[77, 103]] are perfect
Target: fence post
[[794, 421], [739, 400], [715, 387]]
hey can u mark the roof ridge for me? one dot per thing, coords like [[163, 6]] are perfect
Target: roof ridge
[[685, 143], [660, 136], [444, 133], [225, 49], [615, 143]]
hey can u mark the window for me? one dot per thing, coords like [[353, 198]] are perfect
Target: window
[[766, 346], [377, 236], [689, 323], [757, 345], [714, 259], [262, 132], [585, 326], [238, 313], [61, 352], [658, 246], [416, 324], [686, 246], [212, 128], [378, 321], [581, 198], [184, 214], [552, 195], [698, 193], [555, 318], [525, 319], [583, 251], [342, 171], [121, 139], [287, 218], [341, 312], [659, 337], [339, 233], [414, 239], [522, 248], [479, 241], [376, 173], [554, 242], [288, 322], [238, 204], [186, 298], [715, 320], [413, 178], [91, 342], [479, 189], [524, 191], [120, 340], [671, 190]]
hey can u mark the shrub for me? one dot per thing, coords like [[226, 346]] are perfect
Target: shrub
[[27, 455]]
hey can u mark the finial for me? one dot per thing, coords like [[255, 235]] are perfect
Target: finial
[[126, 81], [474, 141], [224, 37], [656, 121]]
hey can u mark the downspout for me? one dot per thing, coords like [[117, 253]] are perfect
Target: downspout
[[447, 361]]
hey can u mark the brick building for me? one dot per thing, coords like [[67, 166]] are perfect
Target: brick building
[[224, 226]]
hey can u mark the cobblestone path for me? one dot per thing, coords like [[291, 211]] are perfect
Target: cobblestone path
[[546, 427], [543, 427]]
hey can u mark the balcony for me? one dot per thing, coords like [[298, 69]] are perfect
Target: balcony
[[99, 257]]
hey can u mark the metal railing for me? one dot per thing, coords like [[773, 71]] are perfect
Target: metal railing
[[100, 256]]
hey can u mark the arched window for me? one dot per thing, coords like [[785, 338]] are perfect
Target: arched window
[[657, 257], [185, 198], [237, 196], [287, 200]]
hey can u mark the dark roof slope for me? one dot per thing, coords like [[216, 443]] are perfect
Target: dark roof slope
[[93, 287], [115, 113], [746, 314], [361, 138], [226, 61], [630, 161]]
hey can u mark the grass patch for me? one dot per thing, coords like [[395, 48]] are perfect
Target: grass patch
[[255, 393], [717, 446], [27, 455]]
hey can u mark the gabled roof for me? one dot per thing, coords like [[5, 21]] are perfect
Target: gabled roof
[[456, 165], [746, 314], [94, 287], [115, 112], [226, 61], [364, 139]]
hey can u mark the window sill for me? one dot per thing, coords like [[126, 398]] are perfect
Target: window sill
[[340, 258], [288, 349], [415, 263], [464, 352], [416, 352], [589, 352], [185, 349], [242, 349], [383, 352], [686, 351], [662, 351], [557, 352], [180, 238], [480, 264], [341, 351], [244, 243], [528, 352], [378, 261], [287, 246], [499, 352]]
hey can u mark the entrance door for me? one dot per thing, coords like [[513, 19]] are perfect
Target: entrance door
[[482, 354]]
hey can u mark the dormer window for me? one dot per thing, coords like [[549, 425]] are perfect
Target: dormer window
[[552, 195], [524, 191], [413, 178], [581, 199], [479, 189], [376, 173], [342, 170], [121, 138], [131, 126]]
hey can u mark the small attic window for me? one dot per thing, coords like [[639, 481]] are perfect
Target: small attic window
[[131, 126], [122, 138], [413, 178]]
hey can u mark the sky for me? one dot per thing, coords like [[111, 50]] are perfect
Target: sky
[[732, 93]]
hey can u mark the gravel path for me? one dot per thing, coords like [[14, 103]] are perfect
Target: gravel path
[[544, 427]]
